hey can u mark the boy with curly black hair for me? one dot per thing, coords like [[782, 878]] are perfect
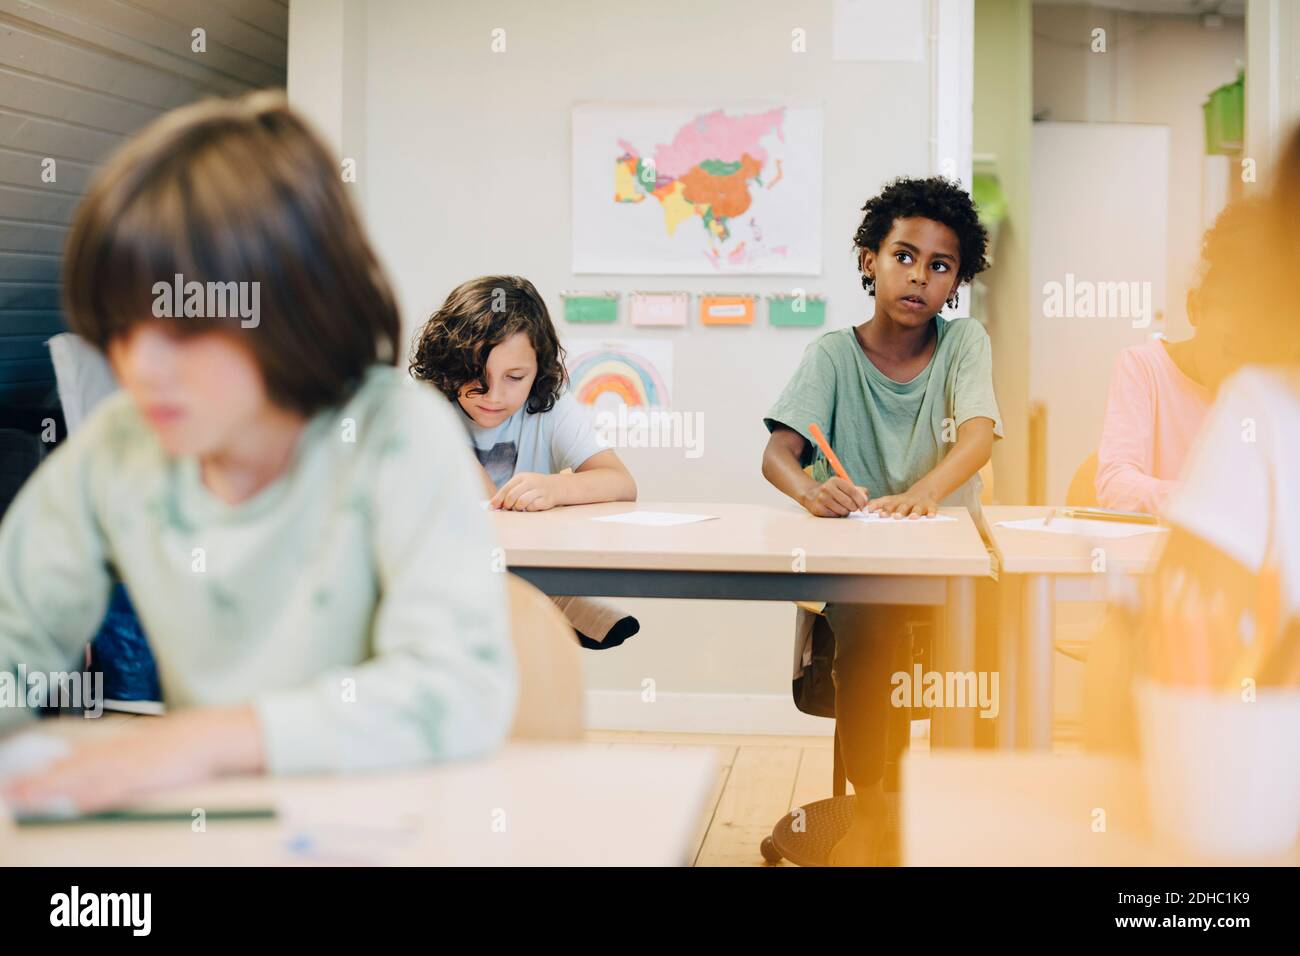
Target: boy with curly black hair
[[906, 402]]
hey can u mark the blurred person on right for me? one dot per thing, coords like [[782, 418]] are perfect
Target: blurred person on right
[[1222, 610]]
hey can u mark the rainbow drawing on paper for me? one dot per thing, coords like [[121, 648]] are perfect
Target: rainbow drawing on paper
[[635, 373]]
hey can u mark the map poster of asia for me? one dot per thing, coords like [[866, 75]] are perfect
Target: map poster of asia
[[678, 190]]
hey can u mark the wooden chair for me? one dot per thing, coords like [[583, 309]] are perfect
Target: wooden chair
[[548, 659], [1082, 492], [805, 836]]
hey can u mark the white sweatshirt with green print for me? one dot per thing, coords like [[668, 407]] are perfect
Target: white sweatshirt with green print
[[353, 601]]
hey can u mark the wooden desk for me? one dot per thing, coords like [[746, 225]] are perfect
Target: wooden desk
[[762, 553], [1054, 567], [529, 805], [1030, 809]]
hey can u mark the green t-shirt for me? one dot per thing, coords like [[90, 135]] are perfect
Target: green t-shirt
[[889, 434]]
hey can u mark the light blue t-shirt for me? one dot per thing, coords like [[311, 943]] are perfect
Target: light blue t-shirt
[[541, 442]]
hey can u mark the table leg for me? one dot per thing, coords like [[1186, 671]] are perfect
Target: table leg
[[954, 726], [1036, 661], [1009, 663]]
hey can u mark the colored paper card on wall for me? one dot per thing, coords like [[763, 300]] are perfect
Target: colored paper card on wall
[[590, 308], [788, 310], [727, 309], [658, 308]]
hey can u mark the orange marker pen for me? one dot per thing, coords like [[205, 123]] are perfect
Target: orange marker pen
[[820, 437]]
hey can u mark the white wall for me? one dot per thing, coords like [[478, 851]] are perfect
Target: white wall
[[327, 77], [1156, 69], [467, 172], [1273, 64]]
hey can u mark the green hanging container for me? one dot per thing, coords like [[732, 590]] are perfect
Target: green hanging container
[[1224, 111]]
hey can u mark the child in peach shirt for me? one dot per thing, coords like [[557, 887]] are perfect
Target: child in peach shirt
[[1160, 392], [1153, 414]]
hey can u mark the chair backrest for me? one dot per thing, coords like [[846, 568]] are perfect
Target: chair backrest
[[1082, 492], [83, 375], [551, 689]]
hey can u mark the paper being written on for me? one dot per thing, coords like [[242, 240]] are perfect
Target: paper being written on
[[654, 519], [880, 518]]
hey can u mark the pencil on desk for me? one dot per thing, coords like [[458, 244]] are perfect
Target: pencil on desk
[[143, 816], [1106, 514]]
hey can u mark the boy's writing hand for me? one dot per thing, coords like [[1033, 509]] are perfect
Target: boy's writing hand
[[164, 752], [527, 491], [835, 498], [913, 503]]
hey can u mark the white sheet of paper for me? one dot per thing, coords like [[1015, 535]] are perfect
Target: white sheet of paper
[[347, 844], [655, 519], [890, 519], [29, 751], [877, 30], [1084, 527]]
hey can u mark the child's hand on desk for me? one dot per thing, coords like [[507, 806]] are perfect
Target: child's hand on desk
[[527, 491], [155, 753], [835, 498], [913, 503]]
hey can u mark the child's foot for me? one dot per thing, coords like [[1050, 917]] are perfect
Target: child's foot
[[616, 635], [863, 843]]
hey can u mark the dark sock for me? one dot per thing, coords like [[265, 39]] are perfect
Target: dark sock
[[619, 633]]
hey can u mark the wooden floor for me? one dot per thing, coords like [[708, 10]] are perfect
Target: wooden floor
[[760, 779]]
